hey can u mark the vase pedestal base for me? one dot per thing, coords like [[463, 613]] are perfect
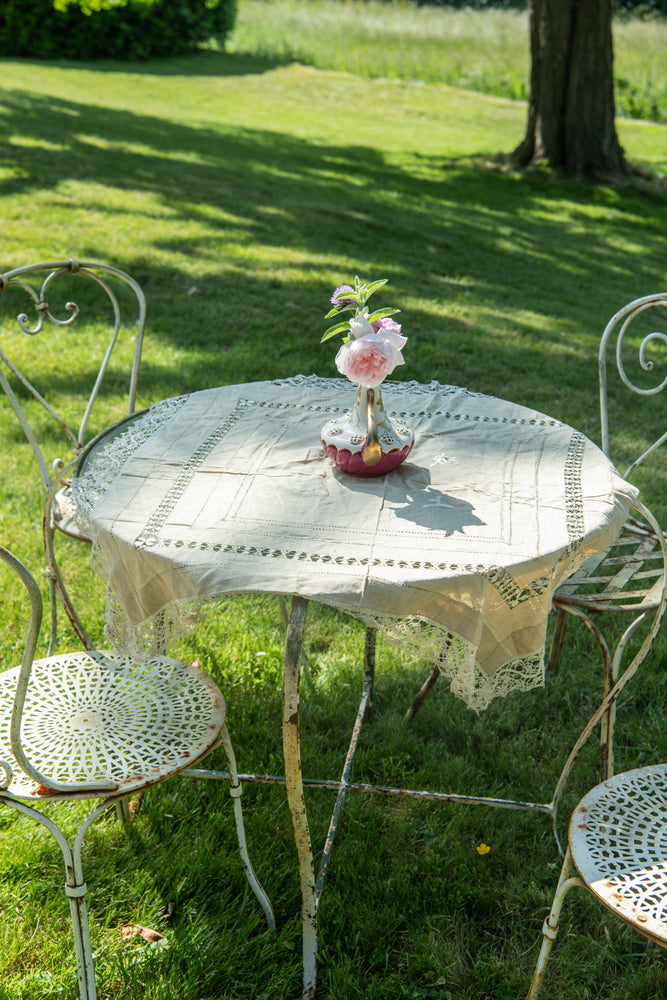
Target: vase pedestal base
[[365, 442]]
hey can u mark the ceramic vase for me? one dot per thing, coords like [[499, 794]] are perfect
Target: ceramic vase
[[365, 442]]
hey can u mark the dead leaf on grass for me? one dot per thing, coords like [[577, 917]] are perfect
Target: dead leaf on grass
[[128, 931]]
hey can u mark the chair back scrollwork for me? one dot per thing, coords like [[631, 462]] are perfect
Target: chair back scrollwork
[[42, 284], [107, 299], [651, 355]]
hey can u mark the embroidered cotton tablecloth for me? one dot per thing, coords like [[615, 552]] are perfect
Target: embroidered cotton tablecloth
[[456, 553]]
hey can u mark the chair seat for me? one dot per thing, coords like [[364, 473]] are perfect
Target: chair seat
[[626, 577], [618, 839], [100, 715], [65, 515]]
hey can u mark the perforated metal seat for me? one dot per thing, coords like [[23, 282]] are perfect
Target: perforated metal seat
[[101, 718], [618, 845], [619, 838]]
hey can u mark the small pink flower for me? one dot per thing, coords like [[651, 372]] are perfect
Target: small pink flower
[[386, 324], [338, 297], [391, 331], [367, 360]]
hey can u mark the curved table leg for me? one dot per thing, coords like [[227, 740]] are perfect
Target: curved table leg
[[294, 782]]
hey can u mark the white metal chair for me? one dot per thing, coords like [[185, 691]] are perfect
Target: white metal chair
[[628, 578], [616, 835], [44, 288], [618, 846], [100, 725]]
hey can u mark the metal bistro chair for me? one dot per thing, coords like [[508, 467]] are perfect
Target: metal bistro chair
[[100, 725], [625, 578], [617, 844], [628, 577], [617, 834], [42, 287]]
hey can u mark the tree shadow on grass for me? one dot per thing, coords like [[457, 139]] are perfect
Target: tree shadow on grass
[[448, 231], [205, 62]]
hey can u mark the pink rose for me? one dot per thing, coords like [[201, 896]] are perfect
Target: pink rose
[[385, 328], [367, 359]]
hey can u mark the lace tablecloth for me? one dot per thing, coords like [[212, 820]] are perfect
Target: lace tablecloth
[[456, 553]]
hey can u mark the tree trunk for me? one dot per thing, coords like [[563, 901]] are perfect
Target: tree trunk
[[571, 108]]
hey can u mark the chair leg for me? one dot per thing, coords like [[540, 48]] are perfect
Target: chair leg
[[75, 888], [608, 721], [550, 927], [612, 668], [235, 789], [82, 946], [56, 582], [604, 716], [608, 680], [53, 615], [558, 641], [123, 814]]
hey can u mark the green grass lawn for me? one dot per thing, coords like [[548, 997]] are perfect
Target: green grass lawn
[[240, 188]]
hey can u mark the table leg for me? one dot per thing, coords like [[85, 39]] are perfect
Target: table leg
[[365, 708], [370, 644], [295, 797]]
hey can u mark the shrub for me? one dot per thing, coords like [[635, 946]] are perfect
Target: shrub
[[111, 29], [641, 8]]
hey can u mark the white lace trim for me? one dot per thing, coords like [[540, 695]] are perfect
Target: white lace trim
[[450, 653], [455, 658], [105, 464], [153, 637], [343, 385]]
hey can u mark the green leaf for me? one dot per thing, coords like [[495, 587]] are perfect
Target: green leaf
[[344, 296], [338, 309], [382, 314], [374, 285], [333, 330]]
